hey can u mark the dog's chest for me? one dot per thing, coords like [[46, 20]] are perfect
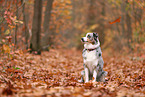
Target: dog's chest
[[90, 57]]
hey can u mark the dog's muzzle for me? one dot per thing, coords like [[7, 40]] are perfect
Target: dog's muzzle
[[82, 39]]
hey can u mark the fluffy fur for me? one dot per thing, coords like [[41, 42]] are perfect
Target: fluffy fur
[[93, 61]]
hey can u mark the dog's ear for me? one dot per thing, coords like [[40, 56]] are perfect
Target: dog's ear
[[95, 35]]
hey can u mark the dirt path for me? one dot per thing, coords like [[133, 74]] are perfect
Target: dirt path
[[55, 73]]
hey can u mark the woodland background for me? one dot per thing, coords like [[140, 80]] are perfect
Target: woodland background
[[50, 27], [61, 23]]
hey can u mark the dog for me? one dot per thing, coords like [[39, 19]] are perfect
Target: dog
[[92, 58]]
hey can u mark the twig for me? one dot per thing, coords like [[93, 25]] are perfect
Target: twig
[[20, 6], [14, 11]]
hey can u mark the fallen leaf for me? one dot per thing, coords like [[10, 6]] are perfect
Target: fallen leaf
[[117, 20]]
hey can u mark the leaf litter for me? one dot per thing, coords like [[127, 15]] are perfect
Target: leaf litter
[[55, 73]]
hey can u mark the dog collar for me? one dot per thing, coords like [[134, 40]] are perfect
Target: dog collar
[[91, 49]]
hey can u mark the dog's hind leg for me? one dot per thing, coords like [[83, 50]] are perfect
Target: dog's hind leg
[[101, 76], [82, 76]]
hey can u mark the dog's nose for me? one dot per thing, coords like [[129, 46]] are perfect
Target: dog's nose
[[82, 39]]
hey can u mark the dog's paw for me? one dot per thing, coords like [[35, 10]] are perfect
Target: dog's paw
[[80, 81], [94, 81], [86, 81]]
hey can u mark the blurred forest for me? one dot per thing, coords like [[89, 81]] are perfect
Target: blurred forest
[[44, 24], [53, 29]]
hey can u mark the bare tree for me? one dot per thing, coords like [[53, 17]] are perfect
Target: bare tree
[[46, 39], [36, 27], [102, 22], [129, 28], [91, 13], [123, 5], [16, 29], [25, 21]]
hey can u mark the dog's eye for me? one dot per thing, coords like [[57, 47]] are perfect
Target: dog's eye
[[89, 36]]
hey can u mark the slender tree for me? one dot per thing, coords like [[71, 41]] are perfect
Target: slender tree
[[36, 27], [91, 13], [123, 5], [102, 24], [25, 31], [45, 39], [129, 28], [16, 29]]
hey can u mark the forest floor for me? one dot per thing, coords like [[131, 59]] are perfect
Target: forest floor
[[55, 74]]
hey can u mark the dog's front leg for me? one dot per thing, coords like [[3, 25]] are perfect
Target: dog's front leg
[[95, 72], [86, 75], [94, 75]]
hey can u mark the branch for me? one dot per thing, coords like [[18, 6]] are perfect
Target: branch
[[20, 6]]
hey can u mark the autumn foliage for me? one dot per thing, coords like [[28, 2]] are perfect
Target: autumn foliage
[[117, 20], [55, 73], [120, 25]]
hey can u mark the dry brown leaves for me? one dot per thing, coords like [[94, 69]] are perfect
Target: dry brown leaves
[[55, 73]]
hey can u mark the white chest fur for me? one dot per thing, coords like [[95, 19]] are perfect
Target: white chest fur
[[90, 59], [90, 55]]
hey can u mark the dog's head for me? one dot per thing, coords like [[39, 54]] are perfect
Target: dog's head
[[90, 38]]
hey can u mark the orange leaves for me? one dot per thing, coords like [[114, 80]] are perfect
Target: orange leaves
[[115, 21], [61, 14], [88, 85], [56, 72], [9, 38], [7, 15], [6, 48], [11, 20], [13, 70], [11, 27], [9, 89], [139, 2], [2, 29], [79, 89], [1, 1]]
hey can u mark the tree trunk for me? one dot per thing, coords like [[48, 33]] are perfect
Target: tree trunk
[[122, 18], [15, 42], [129, 28], [73, 15], [46, 38], [36, 27], [102, 33], [91, 13], [25, 31]]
